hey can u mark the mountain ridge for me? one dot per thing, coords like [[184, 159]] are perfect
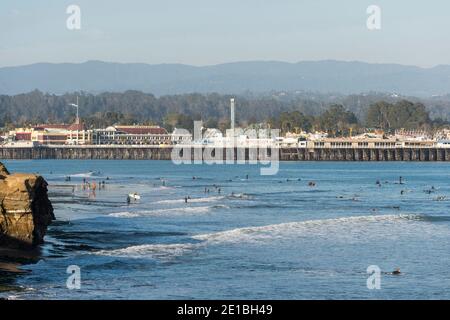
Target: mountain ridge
[[346, 77]]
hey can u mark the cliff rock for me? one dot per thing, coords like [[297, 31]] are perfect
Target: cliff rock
[[25, 210]]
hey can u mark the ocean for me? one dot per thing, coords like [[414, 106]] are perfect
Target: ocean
[[258, 237]]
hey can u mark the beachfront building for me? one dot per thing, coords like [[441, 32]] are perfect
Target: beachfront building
[[412, 135], [293, 140], [132, 135], [180, 136], [372, 143], [443, 134], [52, 134]]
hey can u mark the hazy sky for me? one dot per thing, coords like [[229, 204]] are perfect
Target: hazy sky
[[203, 32]]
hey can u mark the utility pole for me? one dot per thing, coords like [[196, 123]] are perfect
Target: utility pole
[[77, 120]]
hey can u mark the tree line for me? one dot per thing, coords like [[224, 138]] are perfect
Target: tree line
[[134, 107]]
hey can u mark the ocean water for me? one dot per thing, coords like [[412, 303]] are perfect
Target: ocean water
[[265, 237]]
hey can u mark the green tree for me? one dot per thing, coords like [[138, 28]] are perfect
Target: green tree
[[403, 114], [337, 121]]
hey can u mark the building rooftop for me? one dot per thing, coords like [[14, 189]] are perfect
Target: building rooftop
[[141, 129], [68, 127]]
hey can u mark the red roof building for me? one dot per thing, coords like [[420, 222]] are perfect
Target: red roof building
[[141, 129], [68, 127]]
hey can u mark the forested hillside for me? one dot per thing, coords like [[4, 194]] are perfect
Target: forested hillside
[[307, 111]]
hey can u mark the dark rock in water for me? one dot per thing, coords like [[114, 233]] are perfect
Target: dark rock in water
[[25, 210], [3, 170]]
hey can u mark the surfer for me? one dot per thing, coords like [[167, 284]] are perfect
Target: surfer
[[396, 272], [400, 180], [128, 200], [185, 199]]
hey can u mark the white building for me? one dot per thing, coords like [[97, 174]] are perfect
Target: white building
[[181, 136], [131, 135]]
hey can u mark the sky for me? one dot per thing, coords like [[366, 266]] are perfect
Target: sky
[[206, 32]]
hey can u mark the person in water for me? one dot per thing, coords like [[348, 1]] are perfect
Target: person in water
[[396, 271], [128, 200], [185, 199]]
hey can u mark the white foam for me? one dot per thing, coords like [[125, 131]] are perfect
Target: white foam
[[255, 234], [239, 196], [124, 214], [160, 212], [193, 200], [83, 175], [158, 251], [252, 234]]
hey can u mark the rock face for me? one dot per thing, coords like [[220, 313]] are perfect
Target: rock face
[[25, 210]]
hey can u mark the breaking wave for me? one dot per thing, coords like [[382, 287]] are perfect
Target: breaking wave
[[124, 214], [260, 233], [84, 174], [252, 234], [159, 212], [156, 251]]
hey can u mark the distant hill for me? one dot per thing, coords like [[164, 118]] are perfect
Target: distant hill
[[257, 76]]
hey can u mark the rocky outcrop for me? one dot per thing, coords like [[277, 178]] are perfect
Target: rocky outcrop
[[3, 171], [25, 210]]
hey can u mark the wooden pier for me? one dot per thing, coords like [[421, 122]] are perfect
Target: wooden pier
[[285, 154]]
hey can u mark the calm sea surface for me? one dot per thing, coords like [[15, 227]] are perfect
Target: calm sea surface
[[265, 237]]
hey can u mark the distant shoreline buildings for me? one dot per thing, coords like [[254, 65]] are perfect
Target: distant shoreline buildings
[[76, 134], [141, 135]]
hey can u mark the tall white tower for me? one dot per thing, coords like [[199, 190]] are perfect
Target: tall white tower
[[232, 105]]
